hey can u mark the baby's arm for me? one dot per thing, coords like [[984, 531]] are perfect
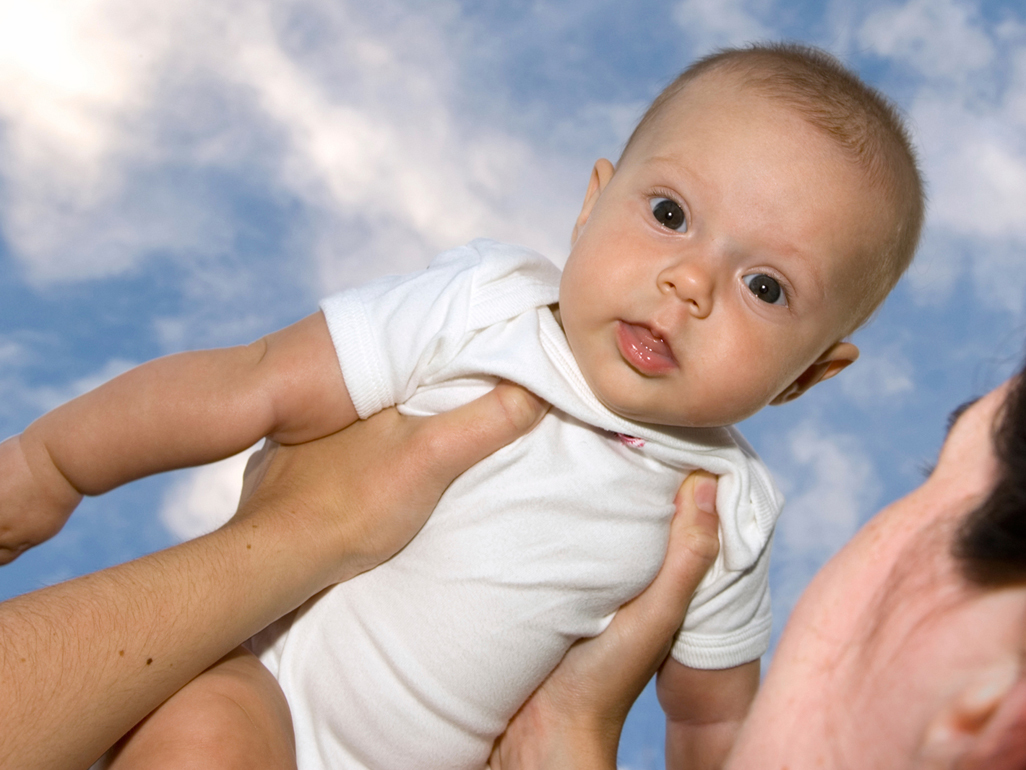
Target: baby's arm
[[704, 711], [174, 412]]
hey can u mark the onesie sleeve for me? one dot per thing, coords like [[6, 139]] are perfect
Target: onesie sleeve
[[729, 621], [392, 334], [388, 332]]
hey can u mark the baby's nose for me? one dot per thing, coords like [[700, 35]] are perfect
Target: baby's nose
[[692, 283]]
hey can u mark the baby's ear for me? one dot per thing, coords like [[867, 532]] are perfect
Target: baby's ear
[[837, 357], [600, 176]]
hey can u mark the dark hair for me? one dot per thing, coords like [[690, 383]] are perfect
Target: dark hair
[[990, 545], [858, 118]]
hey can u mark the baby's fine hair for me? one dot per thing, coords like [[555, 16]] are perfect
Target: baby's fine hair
[[858, 118]]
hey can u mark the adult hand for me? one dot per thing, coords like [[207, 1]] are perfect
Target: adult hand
[[83, 661], [575, 717], [378, 480]]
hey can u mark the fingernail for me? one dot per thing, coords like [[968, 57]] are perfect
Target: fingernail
[[705, 495]]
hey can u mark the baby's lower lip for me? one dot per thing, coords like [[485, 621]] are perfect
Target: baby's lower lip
[[643, 350]]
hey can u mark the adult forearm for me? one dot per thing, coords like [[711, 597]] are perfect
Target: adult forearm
[[82, 662]]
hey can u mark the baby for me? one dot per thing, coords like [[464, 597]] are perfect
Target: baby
[[763, 208]]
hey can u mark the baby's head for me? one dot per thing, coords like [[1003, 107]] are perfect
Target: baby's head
[[763, 208]]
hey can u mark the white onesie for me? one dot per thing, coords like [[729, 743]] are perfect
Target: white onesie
[[421, 662]]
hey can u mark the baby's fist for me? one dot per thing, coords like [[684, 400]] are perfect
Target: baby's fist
[[35, 500]]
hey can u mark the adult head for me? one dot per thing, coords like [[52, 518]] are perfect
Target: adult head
[[907, 649]]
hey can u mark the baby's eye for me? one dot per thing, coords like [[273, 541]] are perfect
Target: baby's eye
[[765, 288], [669, 214]]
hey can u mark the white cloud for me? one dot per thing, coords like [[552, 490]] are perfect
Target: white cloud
[[831, 488], [976, 161], [204, 498], [390, 151], [13, 353], [879, 379], [939, 264], [969, 112], [74, 77], [828, 502], [356, 118], [940, 37], [713, 23], [66, 66]]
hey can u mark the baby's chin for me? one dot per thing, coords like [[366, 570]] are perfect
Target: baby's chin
[[664, 418], [694, 416], [622, 392]]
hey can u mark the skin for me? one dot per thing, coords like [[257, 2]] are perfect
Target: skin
[[84, 661], [891, 608], [956, 651]]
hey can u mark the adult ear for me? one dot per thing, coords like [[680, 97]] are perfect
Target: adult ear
[[600, 176], [982, 728], [838, 356]]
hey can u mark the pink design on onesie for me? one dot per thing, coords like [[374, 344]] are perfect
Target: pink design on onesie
[[631, 441]]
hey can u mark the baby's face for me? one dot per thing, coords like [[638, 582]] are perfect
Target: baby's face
[[717, 264]]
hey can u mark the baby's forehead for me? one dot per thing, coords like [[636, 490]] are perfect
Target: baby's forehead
[[722, 100], [717, 90]]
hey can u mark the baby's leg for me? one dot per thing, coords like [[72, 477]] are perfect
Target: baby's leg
[[233, 715]]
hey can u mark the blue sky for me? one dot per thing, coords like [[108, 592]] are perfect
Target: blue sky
[[198, 173]]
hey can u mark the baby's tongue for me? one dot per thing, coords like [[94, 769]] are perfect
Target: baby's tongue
[[652, 342], [646, 351]]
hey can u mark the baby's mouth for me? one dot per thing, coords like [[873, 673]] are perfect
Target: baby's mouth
[[644, 350]]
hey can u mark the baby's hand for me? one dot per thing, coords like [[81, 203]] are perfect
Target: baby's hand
[[35, 499]]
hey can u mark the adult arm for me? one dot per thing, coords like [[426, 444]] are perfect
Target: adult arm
[[574, 719], [82, 662]]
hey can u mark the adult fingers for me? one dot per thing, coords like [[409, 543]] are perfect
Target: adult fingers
[[575, 716], [454, 441], [353, 499], [627, 654], [693, 546]]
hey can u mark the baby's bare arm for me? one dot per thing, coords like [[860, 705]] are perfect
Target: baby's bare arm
[[174, 412], [704, 711], [197, 407]]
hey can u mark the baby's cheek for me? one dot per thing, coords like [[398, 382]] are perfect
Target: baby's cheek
[[730, 400]]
